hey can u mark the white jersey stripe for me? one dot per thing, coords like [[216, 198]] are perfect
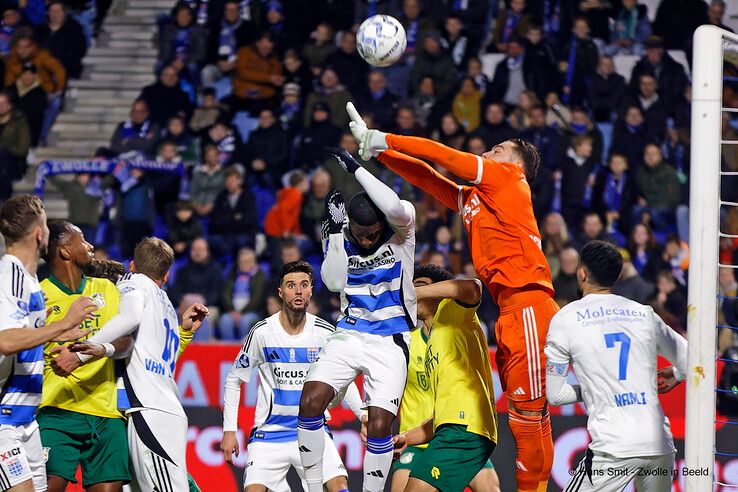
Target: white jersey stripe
[[526, 332], [536, 354]]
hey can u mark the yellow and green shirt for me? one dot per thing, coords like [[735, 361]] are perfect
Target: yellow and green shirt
[[417, 402], [92, 388], [459, 372]]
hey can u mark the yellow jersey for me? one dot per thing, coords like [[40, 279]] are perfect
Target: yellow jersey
[[459, 371], [92, 389], [417, 402]]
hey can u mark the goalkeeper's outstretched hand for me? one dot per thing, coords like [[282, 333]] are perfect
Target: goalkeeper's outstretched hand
[[345, 160], [371, 142], [335, 214]]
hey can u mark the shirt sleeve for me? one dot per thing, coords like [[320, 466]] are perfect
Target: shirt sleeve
[[13, 310], [557, 342], [334, 269], [248, 359], [400, 214], [130, 315], [672, 346]]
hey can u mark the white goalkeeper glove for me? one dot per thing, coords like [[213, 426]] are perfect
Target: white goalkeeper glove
[[371, 142]]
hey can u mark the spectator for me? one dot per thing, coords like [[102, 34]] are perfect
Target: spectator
[[224, 41], [433, 61], [275, 24], [472, 15], [136, 211], [554, 238], [321, 134], [467, 105], [290, 111], [348, 65], [297, 72], [654, 109], [424, 104], [228, 142], [669, 74], [165, 98], [345, 182], [540, 55], [670, 302], [581, 124], [319, 48], [51, 73], [200, 275], [577, 175], [312, 211], [606, 92], [176, 132], [450, 132], [494, 129], [416, 26], [545, 138], [629, 30], [30, 99], [243, 296], [233, 220], [378, 101], [558, 114], [330, 91], [283, 219], [519, 117], [630, 284], [629, 138], [138, 133], [565, 283], [598, 14], [257, 76], [183, 227], [512, 22], [62, 36], [591, 229], [11, 20], [15, 140], [676, 21], [715, 13], [676, 256], [83, 194], [659, 190], [406, 123], [578, 63], [208, 181], [269, 142], [645, 252], [512, 76], [456, 41], [614, 194], [166, 185], [183, 44], [206, 115]]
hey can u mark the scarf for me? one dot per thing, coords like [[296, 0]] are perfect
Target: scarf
[[570, 68], [129, 129], [510, 23], [612, 195], [182, 42], [514, 63], [227, 38], [551, 17], [626, 23], [6, 35], [226, 147]]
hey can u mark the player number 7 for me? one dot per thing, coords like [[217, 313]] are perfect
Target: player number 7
[[610, 340]]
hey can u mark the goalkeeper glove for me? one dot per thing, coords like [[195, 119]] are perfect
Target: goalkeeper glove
[[345, 160], [371, 142], [335, 214]]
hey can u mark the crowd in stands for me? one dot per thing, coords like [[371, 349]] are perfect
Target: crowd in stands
[[249, 92]]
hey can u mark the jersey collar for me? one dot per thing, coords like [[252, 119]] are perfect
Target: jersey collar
[[66, 289]]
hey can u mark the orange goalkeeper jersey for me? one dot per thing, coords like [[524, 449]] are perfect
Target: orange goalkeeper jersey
[[497, 210]]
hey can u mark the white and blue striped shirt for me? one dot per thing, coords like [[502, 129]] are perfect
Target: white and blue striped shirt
[[282, 361], [22, 304]]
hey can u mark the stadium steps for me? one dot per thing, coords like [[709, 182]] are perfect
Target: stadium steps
[[117, 66]]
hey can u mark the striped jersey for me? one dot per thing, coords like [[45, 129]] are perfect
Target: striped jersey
[[379, 297], [21, 375], [149, 372], [282, 361]]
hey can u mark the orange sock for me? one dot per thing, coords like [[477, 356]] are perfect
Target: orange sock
[[526, 429], [548, 452]]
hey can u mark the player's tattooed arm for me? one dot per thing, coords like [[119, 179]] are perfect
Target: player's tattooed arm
[[465, 291]]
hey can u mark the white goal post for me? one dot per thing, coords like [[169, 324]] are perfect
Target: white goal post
[[704, 234]]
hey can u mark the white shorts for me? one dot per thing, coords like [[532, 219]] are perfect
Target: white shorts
[[605, 473], [157, 444], [22, 457], [382, 359], [268, 463]]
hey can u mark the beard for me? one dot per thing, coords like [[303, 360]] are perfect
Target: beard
[[107, 269]]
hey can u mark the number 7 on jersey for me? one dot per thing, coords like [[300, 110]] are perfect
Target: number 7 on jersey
[[610, 340]]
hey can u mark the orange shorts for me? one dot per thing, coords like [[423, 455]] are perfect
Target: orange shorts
[[521, 337]]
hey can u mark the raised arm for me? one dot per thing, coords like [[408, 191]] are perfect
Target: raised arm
[[423, 176], [463, 164], [467, 291], [385, 198]]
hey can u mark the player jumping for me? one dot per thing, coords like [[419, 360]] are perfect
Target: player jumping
[[370, 262], [506, 250], [281, 348], [613, 343], [23, 331]]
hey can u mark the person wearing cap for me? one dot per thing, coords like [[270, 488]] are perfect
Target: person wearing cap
[[290, 110], [334, 94], [30, 99], [433, 61], [669, 74]]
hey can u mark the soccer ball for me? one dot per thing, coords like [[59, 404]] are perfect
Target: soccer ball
[[381, 40]]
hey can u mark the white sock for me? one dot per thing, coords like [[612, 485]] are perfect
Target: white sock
[[377, 462], [311, 441]]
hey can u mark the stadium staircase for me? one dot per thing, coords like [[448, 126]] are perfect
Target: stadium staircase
[[120, 62]]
